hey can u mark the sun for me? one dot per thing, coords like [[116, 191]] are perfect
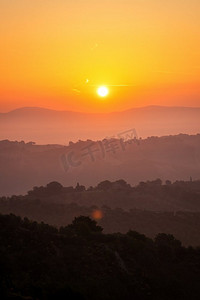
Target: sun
[[102, 91]]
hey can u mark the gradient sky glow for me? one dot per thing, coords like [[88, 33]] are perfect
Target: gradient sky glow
[[55, 53]]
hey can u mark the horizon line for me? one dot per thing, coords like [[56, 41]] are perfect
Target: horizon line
[[110, 112]]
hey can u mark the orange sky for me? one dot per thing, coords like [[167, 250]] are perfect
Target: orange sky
[[55, 53]]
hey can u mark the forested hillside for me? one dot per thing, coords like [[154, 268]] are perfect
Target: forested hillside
[[150, 207], [24, 165], [38, 261]]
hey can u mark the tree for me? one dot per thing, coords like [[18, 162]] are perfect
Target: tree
[[84, 225], [80, 188], [168, 247], [136, 235], [54, 187], [120, 184], [104, 185], [167, 240]]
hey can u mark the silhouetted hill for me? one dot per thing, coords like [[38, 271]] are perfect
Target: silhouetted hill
[[38, 261], [48, 126], [150, 207], [24, 165]]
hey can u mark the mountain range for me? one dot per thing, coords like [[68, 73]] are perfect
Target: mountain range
[[45, 126]]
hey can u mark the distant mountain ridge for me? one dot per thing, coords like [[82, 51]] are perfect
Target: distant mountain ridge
[[125, 110], [45, 126]]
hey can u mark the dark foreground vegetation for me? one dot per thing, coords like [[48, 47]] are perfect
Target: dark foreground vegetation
[[38, 261]]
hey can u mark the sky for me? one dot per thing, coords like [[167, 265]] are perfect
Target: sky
[[56, 53]]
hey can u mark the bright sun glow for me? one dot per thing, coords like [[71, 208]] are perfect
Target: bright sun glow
[[102, 91]]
